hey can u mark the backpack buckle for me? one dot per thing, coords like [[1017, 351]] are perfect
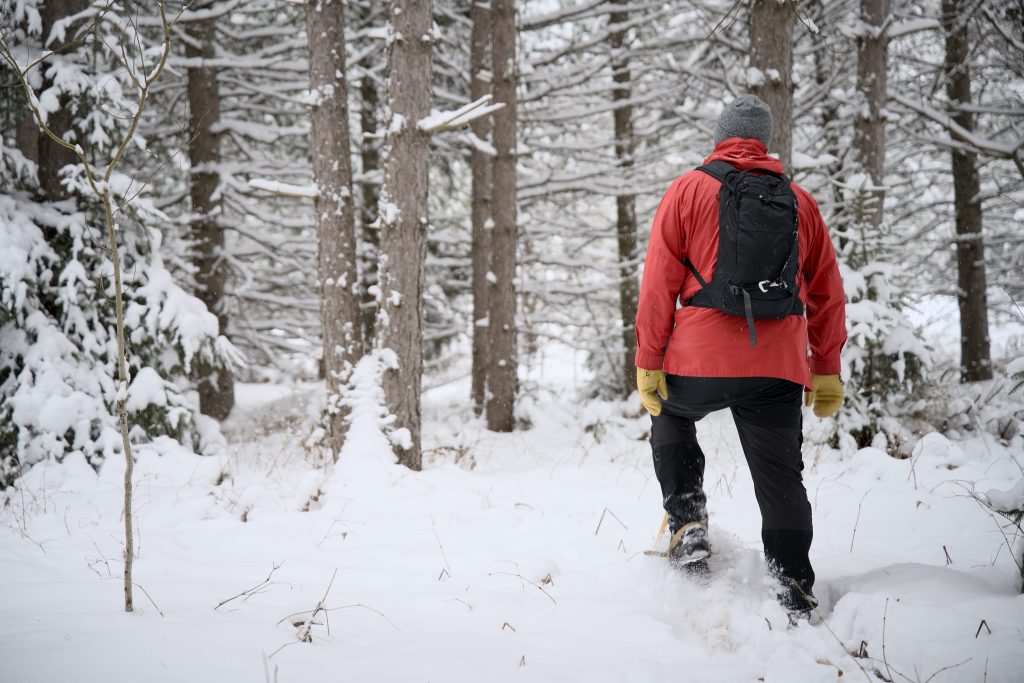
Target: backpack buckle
[[764, 285]]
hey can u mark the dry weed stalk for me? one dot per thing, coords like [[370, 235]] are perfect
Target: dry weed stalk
[[258, 588], [305, 625]]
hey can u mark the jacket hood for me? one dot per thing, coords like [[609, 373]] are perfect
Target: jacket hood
[[745, 154]]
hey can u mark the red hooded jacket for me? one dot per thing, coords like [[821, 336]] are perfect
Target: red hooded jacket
[[703, 342]]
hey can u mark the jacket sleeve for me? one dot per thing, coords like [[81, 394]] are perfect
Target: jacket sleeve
[[663, 277], [826, 300]]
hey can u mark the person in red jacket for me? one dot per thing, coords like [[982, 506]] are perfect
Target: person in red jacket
[[692, 360]]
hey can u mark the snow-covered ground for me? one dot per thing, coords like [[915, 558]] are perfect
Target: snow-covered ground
[[510, 557]]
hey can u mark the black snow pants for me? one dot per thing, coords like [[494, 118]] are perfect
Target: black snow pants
[[768, 417]]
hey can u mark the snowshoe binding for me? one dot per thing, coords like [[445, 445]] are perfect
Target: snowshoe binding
[[689, 548]]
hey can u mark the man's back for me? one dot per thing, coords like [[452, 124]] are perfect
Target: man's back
[[701, 342]]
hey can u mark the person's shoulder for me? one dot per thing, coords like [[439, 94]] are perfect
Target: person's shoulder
[[682, 185], [688, 177], [691, 179]]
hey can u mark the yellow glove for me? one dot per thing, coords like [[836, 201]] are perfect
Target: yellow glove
[[652, 384], [827, 395]]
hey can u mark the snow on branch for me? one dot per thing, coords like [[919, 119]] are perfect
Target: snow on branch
[[905, 28], [447, 120], [1007, 36], [284, 189], [208, 13], [539, 21], [481, 145], [994, 148]]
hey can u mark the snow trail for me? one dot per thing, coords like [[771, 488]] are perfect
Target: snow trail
[[511, 556]]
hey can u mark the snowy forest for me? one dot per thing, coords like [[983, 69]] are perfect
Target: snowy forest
[[317, 340]]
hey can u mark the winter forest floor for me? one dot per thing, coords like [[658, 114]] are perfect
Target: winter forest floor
[[510, 557]]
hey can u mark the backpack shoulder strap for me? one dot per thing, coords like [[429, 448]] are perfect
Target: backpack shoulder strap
[[780, 176], [719, 169]]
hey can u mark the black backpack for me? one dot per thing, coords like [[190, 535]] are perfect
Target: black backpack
[[755, 276]]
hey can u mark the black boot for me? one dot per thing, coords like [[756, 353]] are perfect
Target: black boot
[[786, 553], [680, 471]]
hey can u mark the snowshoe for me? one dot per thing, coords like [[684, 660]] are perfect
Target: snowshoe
[[698, 569]]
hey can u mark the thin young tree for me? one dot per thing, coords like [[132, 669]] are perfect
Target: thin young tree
[[334, 212], [404, 220], [771, 57], [975, 355], [216, 385], [481, 169], [502, 378], [869, 120], [142, 74], [625, 201]]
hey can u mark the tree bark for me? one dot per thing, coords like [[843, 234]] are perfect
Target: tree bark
[[51, 156], [482, 174], [975, 359], [625, 204], [334, 212], [771, 53], [369, 247], [216, 385], [403, 209], [502, 375], [869, 121], [369, 152], [26, 135]]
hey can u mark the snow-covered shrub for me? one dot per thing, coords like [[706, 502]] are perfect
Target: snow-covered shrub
[[1010, 504], [57, 343], [884, 356], [57, 388]]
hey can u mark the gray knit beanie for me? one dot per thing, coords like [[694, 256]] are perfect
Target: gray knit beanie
[[745, 117]]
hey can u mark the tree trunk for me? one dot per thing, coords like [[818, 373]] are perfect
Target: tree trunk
[[869, 121], [501, 376], [771, 53], [403, 209], [481, 169], [26, 134], [51, 156], [369, 247], [625, 204], [334, 212], [832, 126], [369, 149], [975, 360], [216, 385]]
